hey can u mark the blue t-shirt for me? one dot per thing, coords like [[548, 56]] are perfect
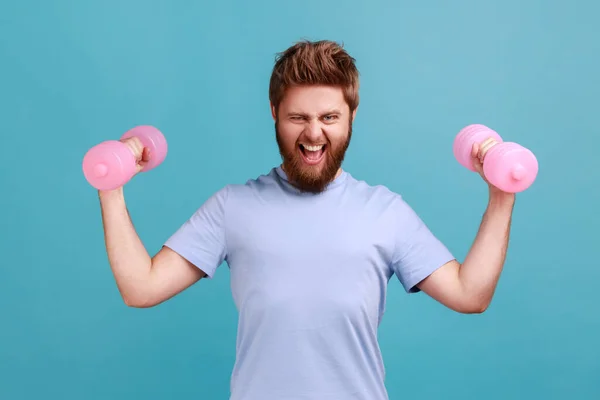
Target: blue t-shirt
[[308, 277]]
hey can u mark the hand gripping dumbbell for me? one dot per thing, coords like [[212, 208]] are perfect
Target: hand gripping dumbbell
[[111, 164], [507, 165]]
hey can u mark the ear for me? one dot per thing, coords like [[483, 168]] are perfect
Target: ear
[[273, 113]]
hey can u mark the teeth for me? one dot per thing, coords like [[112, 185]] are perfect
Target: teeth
[[313, 148]]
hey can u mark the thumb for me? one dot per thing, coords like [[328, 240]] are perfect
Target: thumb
[[143, 159]]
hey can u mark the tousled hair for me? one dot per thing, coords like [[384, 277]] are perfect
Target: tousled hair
[[321, 62]]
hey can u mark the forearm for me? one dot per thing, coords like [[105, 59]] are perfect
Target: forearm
[[484, 262], [128, 258]]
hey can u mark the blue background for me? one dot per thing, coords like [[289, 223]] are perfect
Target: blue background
[[75, 73]]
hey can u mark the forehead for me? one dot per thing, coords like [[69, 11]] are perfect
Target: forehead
[[313, 99]]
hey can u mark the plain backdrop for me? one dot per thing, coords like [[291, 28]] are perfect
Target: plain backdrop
[[76, 73]]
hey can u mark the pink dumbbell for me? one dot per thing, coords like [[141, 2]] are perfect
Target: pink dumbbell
[[508, 166], [110, 164]]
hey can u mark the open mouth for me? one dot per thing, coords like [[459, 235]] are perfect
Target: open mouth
[[312, 154]]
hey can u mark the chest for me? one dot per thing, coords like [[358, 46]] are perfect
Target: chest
[[280, 235], [309, 251]]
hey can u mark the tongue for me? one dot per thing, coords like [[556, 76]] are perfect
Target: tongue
[[313, 155]]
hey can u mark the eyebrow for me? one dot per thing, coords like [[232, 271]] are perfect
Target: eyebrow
[[329, 112]]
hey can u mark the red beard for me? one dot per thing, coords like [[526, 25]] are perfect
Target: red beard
[[308, 178]]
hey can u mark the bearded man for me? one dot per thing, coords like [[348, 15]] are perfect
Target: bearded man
[[310, 248]]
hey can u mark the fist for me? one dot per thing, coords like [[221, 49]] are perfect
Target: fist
[[477, 157], [141, 153]]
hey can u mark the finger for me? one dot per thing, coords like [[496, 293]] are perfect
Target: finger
[[145, 154], [139, 149], [476, 162], [475, 150], [133, 144]]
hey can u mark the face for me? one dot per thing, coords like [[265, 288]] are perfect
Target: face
[[313, 128]]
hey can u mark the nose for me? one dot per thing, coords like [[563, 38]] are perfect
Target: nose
[[313, 131]]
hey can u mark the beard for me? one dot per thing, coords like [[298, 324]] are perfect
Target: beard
[[307, 178]]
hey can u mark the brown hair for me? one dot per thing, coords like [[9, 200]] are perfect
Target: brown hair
[[322, 62]]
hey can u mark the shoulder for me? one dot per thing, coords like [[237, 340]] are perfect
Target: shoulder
[[234, 193], [382, 203], [373, 194], [260, 183]]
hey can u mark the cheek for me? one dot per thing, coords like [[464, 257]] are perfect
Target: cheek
[[289, 133], [337, 133]]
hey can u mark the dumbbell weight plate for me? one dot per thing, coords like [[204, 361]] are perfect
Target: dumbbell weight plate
[[109, 165], [511, 167]]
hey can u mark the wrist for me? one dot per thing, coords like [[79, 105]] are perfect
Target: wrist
[[111, 195], [500, 199]]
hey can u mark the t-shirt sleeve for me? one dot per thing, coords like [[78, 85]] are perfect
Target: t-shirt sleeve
[[418, 251], [201, 239]]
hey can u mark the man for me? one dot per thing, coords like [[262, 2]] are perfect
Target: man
[[310, 248]]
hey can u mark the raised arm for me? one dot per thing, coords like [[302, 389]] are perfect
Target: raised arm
[[142, 280], [470, 287]]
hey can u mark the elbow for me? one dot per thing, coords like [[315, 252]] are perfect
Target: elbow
[[138, 304], [475, 310], [476, 307], [137, 294], [137, 301], [135, 304]]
